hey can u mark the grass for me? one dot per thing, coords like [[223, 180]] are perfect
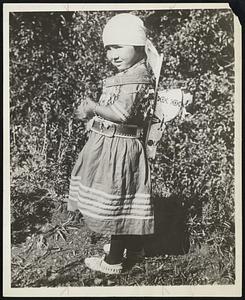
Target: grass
[[53, 255]]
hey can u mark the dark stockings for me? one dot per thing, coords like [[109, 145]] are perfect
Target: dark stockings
[[133, 243]]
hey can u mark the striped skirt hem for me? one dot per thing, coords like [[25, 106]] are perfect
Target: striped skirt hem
[[113, 214]]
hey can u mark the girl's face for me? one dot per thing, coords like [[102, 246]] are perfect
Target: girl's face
[[122, 57]]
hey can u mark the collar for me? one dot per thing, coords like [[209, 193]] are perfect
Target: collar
[[136, 74], [140, 62]]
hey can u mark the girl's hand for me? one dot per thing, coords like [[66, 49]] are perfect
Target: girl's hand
[[85, 110], [90, 106], [79, 112]]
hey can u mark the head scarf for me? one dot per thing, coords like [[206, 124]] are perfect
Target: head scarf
[[124, 29], [128, 29]]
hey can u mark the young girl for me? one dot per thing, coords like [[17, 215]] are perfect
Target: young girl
[[110, 182]]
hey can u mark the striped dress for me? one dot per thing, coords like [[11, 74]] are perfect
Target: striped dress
[[110, 182]]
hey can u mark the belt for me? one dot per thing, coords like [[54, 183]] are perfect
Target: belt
[[113, 129]]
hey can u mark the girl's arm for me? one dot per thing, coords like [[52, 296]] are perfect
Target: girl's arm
[[105, 112], [92, 108], [117, 112]]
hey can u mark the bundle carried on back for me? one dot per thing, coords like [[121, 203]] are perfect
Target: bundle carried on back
[[168, 103]]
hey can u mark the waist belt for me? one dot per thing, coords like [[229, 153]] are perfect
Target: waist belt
[[112, 129]]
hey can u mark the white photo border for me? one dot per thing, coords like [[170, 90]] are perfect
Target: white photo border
[[142, 291]]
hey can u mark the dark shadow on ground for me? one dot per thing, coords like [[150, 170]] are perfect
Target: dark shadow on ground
[[29, 211], [171, 234]]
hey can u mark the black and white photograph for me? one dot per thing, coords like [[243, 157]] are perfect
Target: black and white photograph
[[122, 150]]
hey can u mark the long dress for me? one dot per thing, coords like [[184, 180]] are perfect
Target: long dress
[[110, 182]]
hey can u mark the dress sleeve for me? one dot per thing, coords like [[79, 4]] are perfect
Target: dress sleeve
[[127, 100]]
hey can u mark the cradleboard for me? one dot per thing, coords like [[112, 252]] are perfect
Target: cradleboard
[[169, 104]]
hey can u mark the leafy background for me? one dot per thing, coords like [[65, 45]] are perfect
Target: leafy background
[[56, 59]]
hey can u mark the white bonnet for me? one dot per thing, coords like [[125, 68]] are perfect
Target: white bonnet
[[124, 29], [128, 29]]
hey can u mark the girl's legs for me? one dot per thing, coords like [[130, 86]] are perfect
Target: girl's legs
[[112, 263], [117, 247], [133, 244]]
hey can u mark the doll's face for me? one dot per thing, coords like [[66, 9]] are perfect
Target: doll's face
[[122, 57]]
